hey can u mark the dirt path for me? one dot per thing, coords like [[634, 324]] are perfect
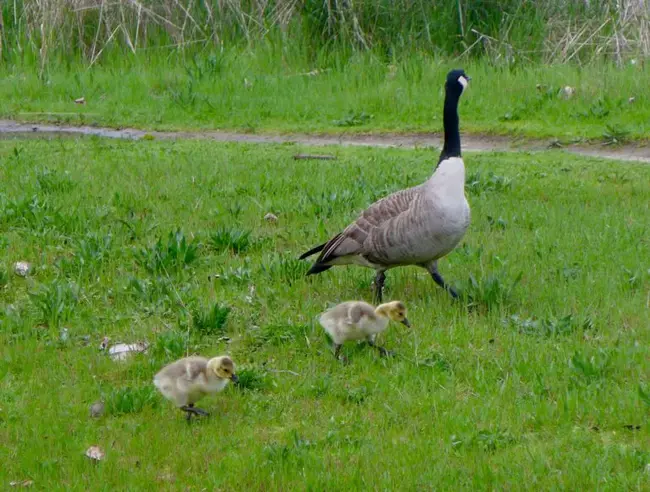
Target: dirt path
[[471, 143]]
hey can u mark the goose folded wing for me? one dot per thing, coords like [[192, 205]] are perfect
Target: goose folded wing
[[352, 241]]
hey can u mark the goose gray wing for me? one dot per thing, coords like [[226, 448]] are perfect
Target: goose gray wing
[[354, 239]]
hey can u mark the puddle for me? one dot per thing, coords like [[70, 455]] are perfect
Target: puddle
[[471, 143]]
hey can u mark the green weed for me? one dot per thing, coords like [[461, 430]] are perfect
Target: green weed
[[230, 238], [55, 302], [171, 257], [210, 321], [131, 400]]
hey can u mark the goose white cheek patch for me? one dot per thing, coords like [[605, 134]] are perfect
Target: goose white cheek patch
[[463, 81]]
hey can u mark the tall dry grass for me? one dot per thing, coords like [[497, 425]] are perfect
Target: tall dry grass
[[506, 30]]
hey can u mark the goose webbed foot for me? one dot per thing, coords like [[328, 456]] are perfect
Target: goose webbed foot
[[378, 286]]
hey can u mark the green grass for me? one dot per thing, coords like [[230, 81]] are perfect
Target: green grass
[[531, 389], [266, 90]]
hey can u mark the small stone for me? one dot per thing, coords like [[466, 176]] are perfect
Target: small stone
[[630, 100], [97, 409], [81, 100], [22, 268], [95, 453], [122, 351], [272, 218], [64, 335]]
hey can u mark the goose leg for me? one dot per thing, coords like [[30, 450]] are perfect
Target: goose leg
[[378, 285], [437, 278]]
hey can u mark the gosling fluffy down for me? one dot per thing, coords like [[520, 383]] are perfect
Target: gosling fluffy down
[[358, 320], [187, 380]]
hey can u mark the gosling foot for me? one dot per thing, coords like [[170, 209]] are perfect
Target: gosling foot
[[192, 410]]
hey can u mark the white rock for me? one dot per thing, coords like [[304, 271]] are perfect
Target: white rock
[[121, 351], [271, 218], [567, 92], [95, 453], [97, 409], [22, 268]]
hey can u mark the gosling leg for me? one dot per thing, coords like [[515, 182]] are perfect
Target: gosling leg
[[382, 351], [338, 355], [378, 286]]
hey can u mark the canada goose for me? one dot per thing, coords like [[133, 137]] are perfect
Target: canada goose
[[187, 380], [415, 226], [358, 320]]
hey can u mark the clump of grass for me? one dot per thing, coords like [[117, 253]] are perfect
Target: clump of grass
[[356, 396], [251, 379], [231, 238], [353, 119], [551, 326], [93, 248], [284, 268], [55, 302], [153, 292], [635, 279], [591, 368], [33, 213], [614, 135], [327, 204], [131, 400], [170, 345], [50, 181], [499, 223], [173, 256], [236, 275], [486, 440], [278, 334], [437, 361], [477, 183], [4, 276], [644, 395], [490, 291], [210, 321]]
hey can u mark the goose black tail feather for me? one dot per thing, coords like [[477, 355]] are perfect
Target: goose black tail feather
[[312, 251], [318, 268]]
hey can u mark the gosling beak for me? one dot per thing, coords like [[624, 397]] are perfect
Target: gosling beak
[[406, 322], [234, 378]]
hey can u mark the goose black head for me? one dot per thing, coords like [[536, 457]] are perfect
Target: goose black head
[[457, 81]]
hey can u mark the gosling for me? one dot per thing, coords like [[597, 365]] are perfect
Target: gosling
[[187, 380], [358, 320]]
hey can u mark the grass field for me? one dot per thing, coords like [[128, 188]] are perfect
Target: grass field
[[269, 90], [544, 384]]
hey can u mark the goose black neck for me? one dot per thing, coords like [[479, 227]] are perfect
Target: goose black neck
[[451, 147]]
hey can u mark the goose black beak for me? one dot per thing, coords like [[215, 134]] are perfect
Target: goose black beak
[[234, 378], [406, 322]]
